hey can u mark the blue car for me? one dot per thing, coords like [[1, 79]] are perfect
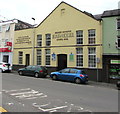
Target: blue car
[[69, 74]]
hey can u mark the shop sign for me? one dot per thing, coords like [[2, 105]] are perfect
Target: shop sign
[[115, 62], [23, 40], [8, 43], [5, 50], [63, 35]]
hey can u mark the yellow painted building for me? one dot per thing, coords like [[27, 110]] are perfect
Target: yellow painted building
[[68, 37], [23, 47]]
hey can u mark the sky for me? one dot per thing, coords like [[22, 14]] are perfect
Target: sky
[[25, 10]]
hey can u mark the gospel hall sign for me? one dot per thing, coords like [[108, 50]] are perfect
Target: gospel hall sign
[[63, 35], [23, 40]]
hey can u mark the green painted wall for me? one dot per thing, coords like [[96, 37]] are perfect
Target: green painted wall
[[110, 33]]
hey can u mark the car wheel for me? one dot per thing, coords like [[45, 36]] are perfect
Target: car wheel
[[36, 75], [54, 77], [20, 73], [77, 80], [1, 71]]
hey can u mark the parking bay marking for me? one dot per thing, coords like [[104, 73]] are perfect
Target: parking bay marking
[[26, 93], [8, 91], [66, 106], [50, 109]]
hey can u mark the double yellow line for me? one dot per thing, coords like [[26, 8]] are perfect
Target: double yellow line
[[2, 110]]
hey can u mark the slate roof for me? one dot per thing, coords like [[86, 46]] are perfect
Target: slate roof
[[111, 13], [98, 17], [108, 13]]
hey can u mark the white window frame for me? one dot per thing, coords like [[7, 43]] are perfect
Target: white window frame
[[7, 28], [39, 56], [91, 36], [79, 37], [48, 39], [118, 21], [118, 42], [39, 40], [47, 57], [92, 57], [79, 57], [20, 57]]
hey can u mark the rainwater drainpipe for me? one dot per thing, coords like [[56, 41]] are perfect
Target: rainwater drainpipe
[[33, 45]]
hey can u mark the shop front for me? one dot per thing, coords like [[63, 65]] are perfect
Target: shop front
[[114, 70], [6, 53], [111, 67]]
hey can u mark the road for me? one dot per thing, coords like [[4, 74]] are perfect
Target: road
[[29, 94]]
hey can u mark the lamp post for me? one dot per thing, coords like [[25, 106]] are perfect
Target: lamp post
[[33, 45]]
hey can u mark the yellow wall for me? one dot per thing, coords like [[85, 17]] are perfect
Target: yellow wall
[[23, 38], [72, 20], [23, 41], [25, 51]]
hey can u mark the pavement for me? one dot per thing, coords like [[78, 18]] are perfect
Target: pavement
[[103, 84], [93, 83]]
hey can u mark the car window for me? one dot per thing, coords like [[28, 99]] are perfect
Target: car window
[[43, 67], [34, 67], [73, 71], [65, 71], [28, 67]]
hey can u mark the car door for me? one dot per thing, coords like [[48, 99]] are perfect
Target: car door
[[27, 70], [32, 70], [72, 74], [63, 75]]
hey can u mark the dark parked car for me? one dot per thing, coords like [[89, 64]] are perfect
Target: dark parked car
[[69, 74], [36, 71]]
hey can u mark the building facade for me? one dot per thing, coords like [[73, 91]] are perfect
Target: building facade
[[67, 38], [7, 29], [111, 44], [6, 40]]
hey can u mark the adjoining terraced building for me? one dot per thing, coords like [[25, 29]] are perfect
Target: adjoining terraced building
[[7, 29], [111, 45]]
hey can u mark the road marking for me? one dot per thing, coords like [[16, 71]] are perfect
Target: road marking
[[50, 109], [10, 103], [2, 110], [8, 91], [25, 94], [32, 91], [29, 95]]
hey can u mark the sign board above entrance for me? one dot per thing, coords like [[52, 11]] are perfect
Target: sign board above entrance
[[63, 35], [115, 61]]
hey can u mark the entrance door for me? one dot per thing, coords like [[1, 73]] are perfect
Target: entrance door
[[6, 58], [62, 61], [27, 60]]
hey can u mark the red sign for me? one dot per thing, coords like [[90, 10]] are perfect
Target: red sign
[[8, 43], [4, 50]]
